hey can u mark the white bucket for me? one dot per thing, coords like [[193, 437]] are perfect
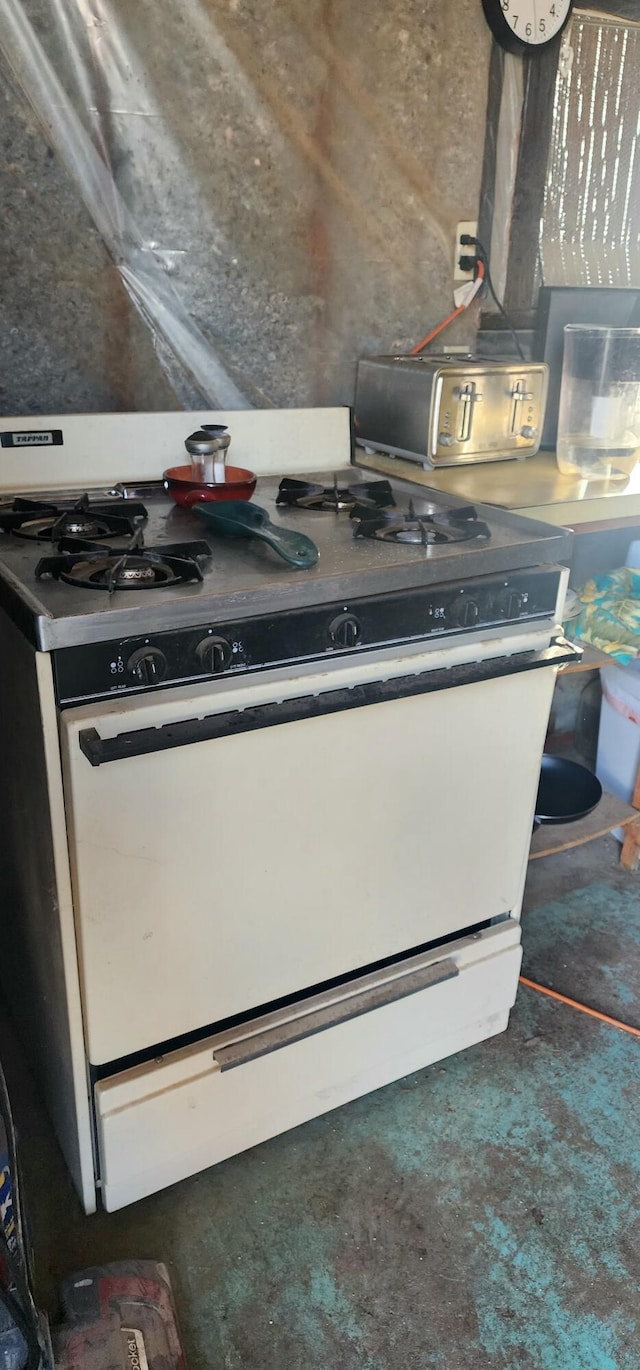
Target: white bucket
[[618, 757]]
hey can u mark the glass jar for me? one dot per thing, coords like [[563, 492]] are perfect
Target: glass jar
[[599, 417]]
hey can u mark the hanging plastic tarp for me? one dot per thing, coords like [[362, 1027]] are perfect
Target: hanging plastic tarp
[[278, 185]]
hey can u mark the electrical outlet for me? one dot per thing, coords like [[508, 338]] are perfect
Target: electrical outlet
[[469, 226]]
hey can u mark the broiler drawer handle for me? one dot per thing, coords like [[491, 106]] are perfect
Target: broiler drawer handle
[[330, 1015]]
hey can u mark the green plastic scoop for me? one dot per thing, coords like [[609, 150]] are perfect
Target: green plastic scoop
[[238, 519]]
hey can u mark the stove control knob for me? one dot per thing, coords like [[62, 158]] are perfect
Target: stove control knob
[[345, 630], [465, 612], [214, 654], [148, 665], [510, 603]]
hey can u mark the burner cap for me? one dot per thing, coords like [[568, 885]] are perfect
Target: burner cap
[[136, 571], [67, 525], [74, 525]]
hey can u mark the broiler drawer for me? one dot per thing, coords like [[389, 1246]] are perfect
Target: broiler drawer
[[168, 1119]]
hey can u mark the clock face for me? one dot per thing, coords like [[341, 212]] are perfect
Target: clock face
[[521, 25]]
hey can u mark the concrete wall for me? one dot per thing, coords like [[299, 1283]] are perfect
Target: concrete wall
[[298, 166]]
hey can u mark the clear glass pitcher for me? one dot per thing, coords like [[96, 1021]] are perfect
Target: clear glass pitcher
[[599, 417]]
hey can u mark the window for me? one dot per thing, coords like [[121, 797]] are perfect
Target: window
[[570, 195], [590, 222]]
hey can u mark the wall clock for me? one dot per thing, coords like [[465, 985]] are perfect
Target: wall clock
[[526, 26]]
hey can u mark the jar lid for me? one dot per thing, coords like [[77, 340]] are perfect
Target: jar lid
[[208, 440]]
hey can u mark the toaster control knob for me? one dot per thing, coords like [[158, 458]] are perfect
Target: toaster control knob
[[214, 654], [445, 439], [148, 665], [465, 612], [345, 631], [528, 431]]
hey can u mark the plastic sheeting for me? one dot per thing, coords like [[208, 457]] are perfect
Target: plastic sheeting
[[278, 184], [109, 83], [507, 150]]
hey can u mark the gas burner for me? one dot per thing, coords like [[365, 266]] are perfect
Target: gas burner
[[303, 494], [429, 525], [129, 571], [94, 567], [40, 521]]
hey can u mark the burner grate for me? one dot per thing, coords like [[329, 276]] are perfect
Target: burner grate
[[92, 566], [304, 494], [428, 525], [39, 521]]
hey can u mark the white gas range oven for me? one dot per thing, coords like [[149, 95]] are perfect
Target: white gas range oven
[[265, 829]]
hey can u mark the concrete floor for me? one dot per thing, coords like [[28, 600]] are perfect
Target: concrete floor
[[482, 1212]]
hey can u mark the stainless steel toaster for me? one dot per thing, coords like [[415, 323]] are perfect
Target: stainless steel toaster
[[443, 410]]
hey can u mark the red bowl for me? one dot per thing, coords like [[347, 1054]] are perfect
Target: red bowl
[[179, 483]]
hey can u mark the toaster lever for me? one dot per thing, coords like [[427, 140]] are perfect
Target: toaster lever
[[467, 396], [519, 395]]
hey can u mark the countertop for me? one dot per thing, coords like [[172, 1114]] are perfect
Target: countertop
[[533, 486]]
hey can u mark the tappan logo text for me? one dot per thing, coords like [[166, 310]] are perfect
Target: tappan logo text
[[33, 439]]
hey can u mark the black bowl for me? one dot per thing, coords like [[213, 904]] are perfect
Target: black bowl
[[566, 791]]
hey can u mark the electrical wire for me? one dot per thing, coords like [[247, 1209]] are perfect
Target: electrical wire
[[483, 257], [583, 1008], [480, 272], [435, 331]]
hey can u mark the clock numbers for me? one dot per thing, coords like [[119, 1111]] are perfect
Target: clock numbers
[[522, 26]]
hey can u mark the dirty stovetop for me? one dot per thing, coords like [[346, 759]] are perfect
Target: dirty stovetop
[[245, 578]]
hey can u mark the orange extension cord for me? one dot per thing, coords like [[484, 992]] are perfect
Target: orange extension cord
[[573, 1003], [480, 273]]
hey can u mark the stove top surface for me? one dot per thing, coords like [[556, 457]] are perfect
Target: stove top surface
[[242, 577]]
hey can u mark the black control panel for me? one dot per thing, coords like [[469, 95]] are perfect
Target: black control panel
[[101, 669]]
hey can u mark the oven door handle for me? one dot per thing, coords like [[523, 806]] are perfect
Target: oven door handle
[[324, 1011], [143, 741]]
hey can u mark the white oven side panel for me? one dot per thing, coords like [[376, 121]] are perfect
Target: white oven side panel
[[218, 876], [39, 962]]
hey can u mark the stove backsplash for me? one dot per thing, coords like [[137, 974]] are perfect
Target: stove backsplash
[[80, 452]]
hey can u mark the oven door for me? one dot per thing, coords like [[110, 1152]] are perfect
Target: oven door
[[244, 841]]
